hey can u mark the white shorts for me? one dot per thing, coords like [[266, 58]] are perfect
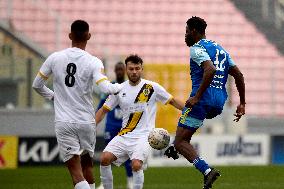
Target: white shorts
[[75, 139], [129, 148]]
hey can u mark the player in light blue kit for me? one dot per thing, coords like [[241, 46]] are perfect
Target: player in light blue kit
[[210, 65], [114, 122]]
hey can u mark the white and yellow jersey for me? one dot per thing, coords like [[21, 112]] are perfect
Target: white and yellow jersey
[[138, 105], [74, 73]]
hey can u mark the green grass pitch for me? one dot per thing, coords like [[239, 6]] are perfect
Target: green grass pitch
[[234, 177]]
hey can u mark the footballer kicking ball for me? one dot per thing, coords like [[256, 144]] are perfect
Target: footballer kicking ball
[[159, 138]]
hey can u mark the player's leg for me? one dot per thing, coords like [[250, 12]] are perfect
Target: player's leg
[[210, 178], [69, 148], [87, 138], [75, 171], [182, 143], [115, 153], [108, 136], [87, 169], [129, 174], [138, 174], [105, 169], [139, 151], [183, 146], [187, 126]]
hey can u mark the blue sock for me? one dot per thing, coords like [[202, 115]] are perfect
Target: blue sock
[[201, 165], [128, 169]]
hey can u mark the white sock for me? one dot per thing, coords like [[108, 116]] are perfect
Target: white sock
[[129, 182], [82, 185], [92, 186], [138, 179], [207, 171], [106, 176]]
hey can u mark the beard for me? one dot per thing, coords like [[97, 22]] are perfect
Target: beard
[[134, 79], [189, 41]]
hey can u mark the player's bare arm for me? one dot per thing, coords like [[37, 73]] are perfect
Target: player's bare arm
[[101, 114], [177, 103], [209, 72], [240, 84]]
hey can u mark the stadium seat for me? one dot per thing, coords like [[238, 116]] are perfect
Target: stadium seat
[[155, 29]]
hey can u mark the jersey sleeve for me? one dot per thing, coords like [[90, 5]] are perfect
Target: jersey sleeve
[[98, 72], [198, 54], [46, 68], [162, 95], [231, 61], [111, 102]]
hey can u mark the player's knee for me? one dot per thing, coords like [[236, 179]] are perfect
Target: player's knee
[[136, 165], [106, 159]]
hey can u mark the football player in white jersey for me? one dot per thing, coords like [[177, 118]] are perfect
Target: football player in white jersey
[[74, 71], [137, 100]]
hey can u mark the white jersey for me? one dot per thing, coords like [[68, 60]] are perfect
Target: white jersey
[[138, 105], [74, 73]]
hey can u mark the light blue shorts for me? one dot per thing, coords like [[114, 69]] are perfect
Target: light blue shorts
[[189, 122]]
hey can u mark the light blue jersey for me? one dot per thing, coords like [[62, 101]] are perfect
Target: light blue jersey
[[213, 99], [216, 94]]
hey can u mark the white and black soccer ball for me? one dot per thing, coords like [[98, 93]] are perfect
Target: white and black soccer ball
[[159, 138]]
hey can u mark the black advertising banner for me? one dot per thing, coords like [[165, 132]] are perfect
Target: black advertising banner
[[38, 151], [44, 151]]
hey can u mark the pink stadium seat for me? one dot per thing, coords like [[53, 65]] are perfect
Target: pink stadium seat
[[155, 30]]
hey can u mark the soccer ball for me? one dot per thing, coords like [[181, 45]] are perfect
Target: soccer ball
[[159, 138]]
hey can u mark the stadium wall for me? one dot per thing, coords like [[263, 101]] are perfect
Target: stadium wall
[[218, 150], [27, 122], [20, 59], [223, 150], [27, 138]]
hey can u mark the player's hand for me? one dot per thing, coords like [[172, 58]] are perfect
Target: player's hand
[[239, 112], [191, 101], [171, 152]]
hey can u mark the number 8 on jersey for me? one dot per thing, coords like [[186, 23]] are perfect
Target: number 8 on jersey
[[70, 79]]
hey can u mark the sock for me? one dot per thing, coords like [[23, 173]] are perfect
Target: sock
[[138, 179], [82, 185], [201, 165], [92, 186], [130, 182], [106, 176]]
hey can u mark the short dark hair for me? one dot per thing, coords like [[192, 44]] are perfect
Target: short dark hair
[[119, 63], [197, 23], [79, 29], [134, 58]]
